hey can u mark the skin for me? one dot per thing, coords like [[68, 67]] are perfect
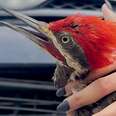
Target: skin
[[97, 89]]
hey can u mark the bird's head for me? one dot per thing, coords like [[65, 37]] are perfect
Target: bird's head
[[87, 42], [75, 41], [66, 32]]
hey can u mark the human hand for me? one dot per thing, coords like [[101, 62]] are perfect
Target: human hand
[[94, 91]]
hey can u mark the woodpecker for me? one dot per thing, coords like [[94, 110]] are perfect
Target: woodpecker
[[79, 43]]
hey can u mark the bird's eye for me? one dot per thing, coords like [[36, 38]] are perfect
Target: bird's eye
[[65, 39]]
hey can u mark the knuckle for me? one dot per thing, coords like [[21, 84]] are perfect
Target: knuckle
[[104, 84], [107, 84]]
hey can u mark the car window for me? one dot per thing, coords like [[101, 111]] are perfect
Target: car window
[[16, 48]]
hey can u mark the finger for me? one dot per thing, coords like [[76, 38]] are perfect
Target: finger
[[107, 2], [96, 90], [67, 90], [108, 14], [108, 111], [71, 113], [95, 74], [71, 87], [61, 92]]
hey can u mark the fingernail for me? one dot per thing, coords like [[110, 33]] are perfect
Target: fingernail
[[60, 92], [63, 107]]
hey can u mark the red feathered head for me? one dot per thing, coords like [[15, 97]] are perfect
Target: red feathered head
[[96, 39]]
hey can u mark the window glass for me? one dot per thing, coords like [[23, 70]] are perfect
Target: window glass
[[15, 48], [20, 4]]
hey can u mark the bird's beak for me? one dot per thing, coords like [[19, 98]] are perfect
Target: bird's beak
[[39, 32]]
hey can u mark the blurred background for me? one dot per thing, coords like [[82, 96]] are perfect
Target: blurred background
[[26, 88]]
